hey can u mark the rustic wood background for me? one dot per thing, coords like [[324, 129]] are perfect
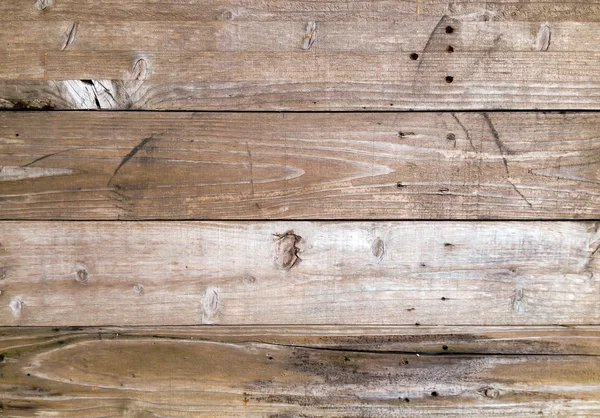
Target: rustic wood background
[[299, 208]]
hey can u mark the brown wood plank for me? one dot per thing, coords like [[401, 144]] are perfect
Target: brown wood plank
[[233, 273], [299, 55], [328, 10], [319, 166], [301, 371]]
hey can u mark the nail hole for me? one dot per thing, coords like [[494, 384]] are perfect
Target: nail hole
[[406, 400], [16, 134], [450, 49], [445, 347], [451, 137], [400, 185], [449, 79], [434, 393], [444, 298], [449, 29], [404, 361], [414, 56]]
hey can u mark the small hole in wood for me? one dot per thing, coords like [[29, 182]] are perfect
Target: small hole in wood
[[450, 49], [400, 185], [444, 298], [449, 79], [445, 347], [451, 137], [434, 394], [414, 56], [16, 134], [449, 29]]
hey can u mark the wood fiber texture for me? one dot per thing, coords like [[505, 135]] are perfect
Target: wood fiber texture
[[301, 371], [292, 208], [255, 273], [136, 166], [299, 55]]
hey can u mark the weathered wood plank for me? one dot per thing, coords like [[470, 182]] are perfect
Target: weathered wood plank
[[278, 10], [300, 55], [320, 166], [182, 273], [301, 371]]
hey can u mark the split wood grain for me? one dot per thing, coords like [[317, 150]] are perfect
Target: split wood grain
[[255, 55], [301, 371], [252, 273], [82, 166]]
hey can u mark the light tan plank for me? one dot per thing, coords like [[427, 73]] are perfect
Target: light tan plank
[[300, 56], [178, 273], [294, 371], [257, 10], [319, 166]]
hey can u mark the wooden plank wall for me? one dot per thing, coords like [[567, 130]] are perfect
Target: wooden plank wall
[[299, 208]]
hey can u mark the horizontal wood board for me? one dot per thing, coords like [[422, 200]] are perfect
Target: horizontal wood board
[[130, 165], [299, 55], [300, 371], [253, 273]]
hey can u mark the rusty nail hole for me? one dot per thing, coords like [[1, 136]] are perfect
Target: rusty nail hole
[[445, 347], [434, 394], [449, 79], [450, 49], [449, 29], [414, 56], [451, 137]]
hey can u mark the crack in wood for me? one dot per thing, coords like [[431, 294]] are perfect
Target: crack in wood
[[503, 151], [130, 155], [70, 36]]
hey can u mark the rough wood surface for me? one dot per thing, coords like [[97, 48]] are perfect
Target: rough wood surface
[[183, 273], [299, 55], [65, 165], [301, 371]]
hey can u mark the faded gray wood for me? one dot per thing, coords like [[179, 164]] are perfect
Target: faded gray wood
[[261, 56], [294, 371], [322, 166], [183, 273]]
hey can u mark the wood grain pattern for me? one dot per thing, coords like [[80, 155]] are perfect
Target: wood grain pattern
[[256, 55], [301, 371], [319, 166], [185, 273]]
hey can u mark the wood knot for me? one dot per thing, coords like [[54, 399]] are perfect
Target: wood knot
[[378, 249], [249, 279], [16, 306], [138, 289], [310, 35], [210, 305], [228, 15], [518, 301], [286, 250], [542, 41], [82, 276], [489, 393], [44, 4], [139, 71]]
